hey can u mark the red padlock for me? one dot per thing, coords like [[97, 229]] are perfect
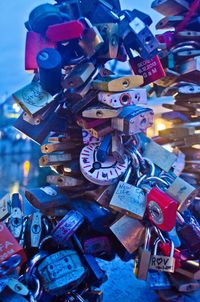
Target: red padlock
[[9, 245], [161, 209], [34, 44], [65, 31], [151, 70]]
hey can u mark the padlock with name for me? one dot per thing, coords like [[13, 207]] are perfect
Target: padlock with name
[[61, 271], [160, 262], [67, 226], [128, 199]]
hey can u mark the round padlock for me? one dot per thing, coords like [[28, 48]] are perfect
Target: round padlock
[[105, 173]]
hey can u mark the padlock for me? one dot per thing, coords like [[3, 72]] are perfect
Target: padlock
[[177, 132], [150, 69], [65, 31], [57, 159], [37, 227], [165, 159], [170, 7], [98, 246], [101, 112], [88, 98], [128, 199], [109, 33], [118, 83], [102, 194], [130, 232], [169, 22], [61, 271], [43, 16], [99, 173], [160, 262], [9, 245], [67, 226], [165, 248], [89, 123], [17, 287], [161, 209], [35, 42], [79, 75], [117, 147], [32, 98], [133, 119], [91, 40], [142, 260], [190, 70], [187, 230], [182, 192], [137, 35], [12, 297], [170, 78], [58, 147], [118, 100], [190, 269], [15, 220], [65, 181], [46, 197], [158, 280], [104, 148], [101, 130], [166, 38], [171, 295], [5, 207], [183, 284], [96, 276], [49, 64]]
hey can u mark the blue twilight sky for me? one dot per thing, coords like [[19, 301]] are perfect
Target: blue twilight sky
[[13, 14]]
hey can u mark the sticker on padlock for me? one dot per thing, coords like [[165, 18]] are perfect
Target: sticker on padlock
[[129, 199], [100, 173], [118, 100], [61, 271], [160, 262], [133, 119], [67, 227]]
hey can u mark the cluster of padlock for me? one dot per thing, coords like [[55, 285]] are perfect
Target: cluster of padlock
[[180, 56], [112, 191]]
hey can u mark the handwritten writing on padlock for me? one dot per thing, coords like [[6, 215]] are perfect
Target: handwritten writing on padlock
[[9, 245], [162, 263], [104, 173]]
